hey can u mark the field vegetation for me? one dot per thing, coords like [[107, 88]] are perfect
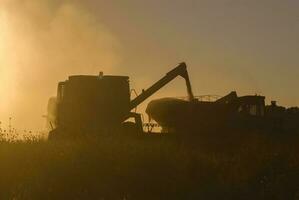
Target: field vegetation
[[235, 165]]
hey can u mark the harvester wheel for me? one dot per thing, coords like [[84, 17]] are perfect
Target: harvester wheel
[[55, 134], [130, 128]]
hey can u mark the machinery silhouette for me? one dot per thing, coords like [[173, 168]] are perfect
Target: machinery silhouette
[[92, 104], [102, 104]]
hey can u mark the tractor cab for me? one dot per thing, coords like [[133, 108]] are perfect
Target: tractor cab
[[250, 111], [253, 106]]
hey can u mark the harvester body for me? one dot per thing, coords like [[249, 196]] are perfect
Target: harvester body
[[93, 104]]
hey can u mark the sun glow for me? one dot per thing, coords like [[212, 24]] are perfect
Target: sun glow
[[41, 44], [2, 33], [6, 71]]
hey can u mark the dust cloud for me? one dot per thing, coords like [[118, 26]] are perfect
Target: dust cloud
[[41, 43]]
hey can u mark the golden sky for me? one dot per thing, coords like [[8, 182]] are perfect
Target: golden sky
[[248, 46]]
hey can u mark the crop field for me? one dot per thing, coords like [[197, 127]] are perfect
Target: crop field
[[209, 166]]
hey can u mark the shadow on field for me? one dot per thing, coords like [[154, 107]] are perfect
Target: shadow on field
[[210, 166]]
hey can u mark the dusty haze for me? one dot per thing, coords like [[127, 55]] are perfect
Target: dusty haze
[[248, 46], [41, 43]]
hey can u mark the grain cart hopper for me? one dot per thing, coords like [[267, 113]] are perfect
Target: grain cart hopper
[[179, 115], [97, 104]]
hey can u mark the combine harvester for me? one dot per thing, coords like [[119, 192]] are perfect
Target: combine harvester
[[102, 104]]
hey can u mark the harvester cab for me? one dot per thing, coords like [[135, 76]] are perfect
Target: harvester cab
[[96, 104]]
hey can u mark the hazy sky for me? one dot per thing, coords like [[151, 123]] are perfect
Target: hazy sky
[[250, 46]]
